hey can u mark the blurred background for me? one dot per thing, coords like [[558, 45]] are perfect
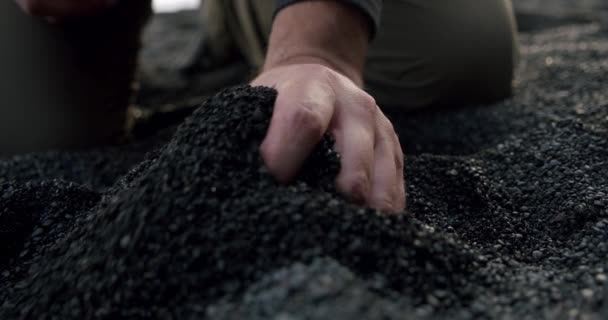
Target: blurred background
[[174, 5]]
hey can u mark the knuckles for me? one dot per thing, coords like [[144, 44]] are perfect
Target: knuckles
[[369, 102], [367, 106], [307, 117], [356, 187], [269, 154]]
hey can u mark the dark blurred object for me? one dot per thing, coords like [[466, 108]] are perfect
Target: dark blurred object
[[68, 83]]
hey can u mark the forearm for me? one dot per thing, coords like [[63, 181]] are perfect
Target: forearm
[[323, 32]]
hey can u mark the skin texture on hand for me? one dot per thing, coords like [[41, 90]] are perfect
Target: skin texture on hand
[[64, 8], [316, 66], [314, 99]]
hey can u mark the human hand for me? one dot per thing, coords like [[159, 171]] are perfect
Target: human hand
[[314, 99], [63, 8]]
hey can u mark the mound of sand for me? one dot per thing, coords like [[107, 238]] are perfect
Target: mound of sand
[[508, 214]]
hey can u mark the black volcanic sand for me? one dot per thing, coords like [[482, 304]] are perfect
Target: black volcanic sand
[[508, 214]]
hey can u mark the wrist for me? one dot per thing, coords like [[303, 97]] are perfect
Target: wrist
[[316, 57], [326, 33]]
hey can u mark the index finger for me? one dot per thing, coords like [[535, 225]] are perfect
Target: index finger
[[301, 116]]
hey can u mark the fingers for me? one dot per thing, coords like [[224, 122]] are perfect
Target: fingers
[[356, 147], [301, 116], [387, 187], [355, 137], [63, 8], [372, 159], [311, 103]]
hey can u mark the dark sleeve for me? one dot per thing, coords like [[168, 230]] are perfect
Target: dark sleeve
[[371, 8]]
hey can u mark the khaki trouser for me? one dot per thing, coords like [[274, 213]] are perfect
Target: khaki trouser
[[69, 84], [426, 52]]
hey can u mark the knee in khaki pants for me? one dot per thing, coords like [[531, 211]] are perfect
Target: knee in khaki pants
[[67, 84], [442, 52]]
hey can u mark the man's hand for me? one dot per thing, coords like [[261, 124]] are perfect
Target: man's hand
[[63, 8], [315, 60], [314, 99]]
